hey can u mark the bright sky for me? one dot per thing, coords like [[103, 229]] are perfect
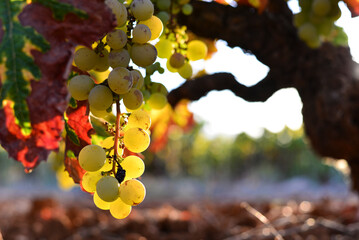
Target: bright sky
[[226, 114]]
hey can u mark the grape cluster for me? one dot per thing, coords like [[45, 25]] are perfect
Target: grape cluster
[[316, 20], [173, 44], [110, 175]]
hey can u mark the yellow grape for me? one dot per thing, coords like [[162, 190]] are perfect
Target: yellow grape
[[142, 9], [102, 61], [321, 7], [196, 50], [89, 181], [177, 60], [307, 32], [159, 87], [139, 119], [64, 180], [85, 59], [101, 204], [107, 188], [99, 113], [186, 71], [119, 10], [136, 140], [164, 48], [157, 101], [119, 209], [132, 192], [80, 87], [141, 34], [92, 158], [134, 166], [143, 55], [100, 98], [116, 39], [120, 80], [119, 58], [137, 79], [155, 25], [133, 99]]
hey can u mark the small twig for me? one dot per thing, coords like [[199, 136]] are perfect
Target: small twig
[[263, 219]]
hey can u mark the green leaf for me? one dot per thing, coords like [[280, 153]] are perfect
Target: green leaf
[[60, 9], [15, 86], [341, 38], [72, 135]]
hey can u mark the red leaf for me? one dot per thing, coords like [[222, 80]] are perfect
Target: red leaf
[[49, 96], [353, 6], [78, 121]]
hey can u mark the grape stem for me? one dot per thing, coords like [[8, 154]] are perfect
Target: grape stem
[[117, 134]]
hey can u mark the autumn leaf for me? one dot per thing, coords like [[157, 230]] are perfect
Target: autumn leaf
[[48, 99], [163, 121], [353, 6], [78, 135]]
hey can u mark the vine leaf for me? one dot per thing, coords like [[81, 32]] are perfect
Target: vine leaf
[[48, 99], [15, 38], [353, 6], [60, 9], [78, 124]]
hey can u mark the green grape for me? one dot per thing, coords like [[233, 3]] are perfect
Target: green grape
[[120, 80], [321, 7], [137, 78], [177, 60], [196, 50], [102, 62], [136, 140], [141, 34], [142, 9], [300, 18], [326, 27], [159, 87], [80, 87], [89, 181], [85, 59], [119, 58], [100, 98], [164, 48], [163, 4], [143, 55], [139, 119], [101, 204], [313, 43], [119, 209], [164, 16], [170, 68], [155, 25], [186, 71], [92, 158], [119, 10], [107, 188], [99, 113], [307, 32], [187, 9], [132, 192], [133, 99], [116, 39], [157, 101], [133, 166], [305, 5]]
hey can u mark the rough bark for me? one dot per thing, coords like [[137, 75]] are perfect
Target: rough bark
[[326, 78]]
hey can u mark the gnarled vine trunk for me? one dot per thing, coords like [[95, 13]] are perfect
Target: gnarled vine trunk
[[326, 78]]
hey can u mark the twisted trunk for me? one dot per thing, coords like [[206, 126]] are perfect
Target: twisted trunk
[[326, 78]]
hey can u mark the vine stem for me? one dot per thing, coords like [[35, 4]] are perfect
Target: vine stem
[[117, 135]]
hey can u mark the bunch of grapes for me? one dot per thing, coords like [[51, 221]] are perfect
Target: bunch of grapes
[[111, 176], [316, 20], [173, 44]]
